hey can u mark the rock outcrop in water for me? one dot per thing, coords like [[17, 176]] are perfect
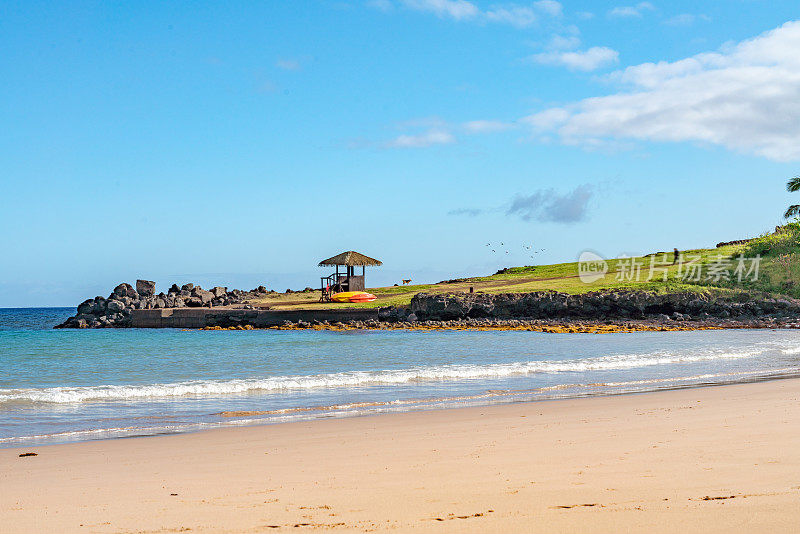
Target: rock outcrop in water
[[115, 311], [599, 305]]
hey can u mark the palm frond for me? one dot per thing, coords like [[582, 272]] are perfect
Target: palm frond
[[793, 184], [792, 211]]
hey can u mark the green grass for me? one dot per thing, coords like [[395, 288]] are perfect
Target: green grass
[[779, 268]]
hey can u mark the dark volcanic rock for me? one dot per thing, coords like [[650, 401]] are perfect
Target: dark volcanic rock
[[115, 306], [145, 288], [125, 290], [116, 311], [194, 302], [87, 306], [204, 296], [219, 292], [596, 305]]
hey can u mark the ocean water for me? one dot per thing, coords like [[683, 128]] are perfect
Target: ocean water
[[72, 385]]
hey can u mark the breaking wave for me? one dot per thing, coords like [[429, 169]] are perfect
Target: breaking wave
[[440, 373]]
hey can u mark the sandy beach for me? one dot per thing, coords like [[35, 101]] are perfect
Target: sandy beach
[[705, 459]]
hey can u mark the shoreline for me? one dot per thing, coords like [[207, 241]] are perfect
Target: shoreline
[[550, 326], [602, 463], [126, 308], [348, 410]]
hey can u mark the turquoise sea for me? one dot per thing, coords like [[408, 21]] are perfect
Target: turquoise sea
[[72, 385]]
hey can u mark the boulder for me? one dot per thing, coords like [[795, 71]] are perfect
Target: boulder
[[115, 306], [87, 306], [174, 289], [187, 287], [204, 296], [100, 306], [125, 290], [219, 291], [193, 302], [145, 288]]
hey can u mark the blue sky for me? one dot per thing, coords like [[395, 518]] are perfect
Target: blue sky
[[240, 143]]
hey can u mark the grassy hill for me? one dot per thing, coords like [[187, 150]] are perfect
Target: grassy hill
[[777, 270]]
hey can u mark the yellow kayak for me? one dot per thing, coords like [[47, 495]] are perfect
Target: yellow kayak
[[353, 296]]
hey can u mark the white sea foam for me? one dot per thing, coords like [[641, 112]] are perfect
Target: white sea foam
[[215, 388]]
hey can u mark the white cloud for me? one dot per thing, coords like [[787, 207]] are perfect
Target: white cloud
[[543, 205], [519, 16], [585, 60], [685, 19], [551, 7], [267, 87], [745, 97], [549, 206], [456, 9], [426, 139], [523, 16], [486, 126], [430, 131], [585, 15], [631, 11], [383, 5], [288, 64], [559, 42]]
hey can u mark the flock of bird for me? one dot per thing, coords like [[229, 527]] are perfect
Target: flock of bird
[[528, 248]]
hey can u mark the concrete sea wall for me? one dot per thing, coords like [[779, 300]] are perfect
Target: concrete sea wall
[[203, 317]]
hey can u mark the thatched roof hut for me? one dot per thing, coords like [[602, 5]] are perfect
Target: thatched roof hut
[[348, 281], [350, 258]]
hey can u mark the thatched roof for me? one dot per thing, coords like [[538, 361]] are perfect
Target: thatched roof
[[350, 258]]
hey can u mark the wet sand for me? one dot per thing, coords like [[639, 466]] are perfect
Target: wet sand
[[718, 459]]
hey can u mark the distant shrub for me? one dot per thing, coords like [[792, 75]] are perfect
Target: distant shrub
[[517, 270], [785, 241]]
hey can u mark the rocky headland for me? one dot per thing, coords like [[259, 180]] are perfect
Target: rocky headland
[[115, 310], [600, 305], [601, 311]]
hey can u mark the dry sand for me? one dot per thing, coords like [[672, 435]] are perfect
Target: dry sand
[[708, 459]]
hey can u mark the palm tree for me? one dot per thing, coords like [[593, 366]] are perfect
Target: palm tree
[[792, 186]]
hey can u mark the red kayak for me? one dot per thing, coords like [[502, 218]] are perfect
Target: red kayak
[[363, 297], [353, 296]]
